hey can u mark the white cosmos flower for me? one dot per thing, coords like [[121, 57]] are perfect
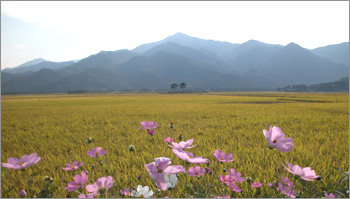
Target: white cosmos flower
[[170, 180], [142, 192]]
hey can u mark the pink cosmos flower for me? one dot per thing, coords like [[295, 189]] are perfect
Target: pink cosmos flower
[[148, 125], [222, 157], [222, 197], [75, 165], [96, 152], [86, 196], [305, 173], [286, 181], [183, 144], [159, 167], [24, 162], [227, 179], [168, 140], [236, 175], [233, 187], [150, 132], [331, 195], [276, 139], [103, 183], [287, 188], [188, 156], [195, 171], [22, 194], [79, 182], [125, 192], [256, 184]]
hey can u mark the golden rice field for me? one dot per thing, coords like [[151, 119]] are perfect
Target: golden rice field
[[56, 128]]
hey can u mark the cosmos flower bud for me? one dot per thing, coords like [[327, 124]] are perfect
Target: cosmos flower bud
[[48, 179], [208, 170], [89, 140], [319, 178], [22, 194], [101, 162], [248, 179], [224, 170], [139, 177], [131, 147], [92, 166], [171, 124], [150, 132], [180, 137]]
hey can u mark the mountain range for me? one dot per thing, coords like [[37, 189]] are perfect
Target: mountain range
[[200, 63]]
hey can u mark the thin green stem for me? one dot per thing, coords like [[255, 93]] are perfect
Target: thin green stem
[[130, 171]]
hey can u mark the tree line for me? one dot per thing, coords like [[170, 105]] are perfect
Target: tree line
[[174, 86]]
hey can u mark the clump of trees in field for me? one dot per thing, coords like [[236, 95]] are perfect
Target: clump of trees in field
[[174, 86]]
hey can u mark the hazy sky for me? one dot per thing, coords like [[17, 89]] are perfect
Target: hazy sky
[[62, 31]]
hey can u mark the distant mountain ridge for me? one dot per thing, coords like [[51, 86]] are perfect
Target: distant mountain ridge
[[220, 48], [24, 65], [202, 64], [338, 53], [296, 65], [39, 66], [32, 62]]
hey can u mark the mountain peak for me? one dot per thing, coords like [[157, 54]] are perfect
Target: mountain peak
[[253, 41], [176, 36], [31, 62], [180, 34], [39, 59], [294, 45], [296, 50]]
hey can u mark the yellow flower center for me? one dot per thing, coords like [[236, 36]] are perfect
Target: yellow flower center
[[79, 184], [73, 167], [190, 157], [21, 163], [222, 158], [196, 173], [141, 196], [274, 141]]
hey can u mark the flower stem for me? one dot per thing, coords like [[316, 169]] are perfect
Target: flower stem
[[130, 172]]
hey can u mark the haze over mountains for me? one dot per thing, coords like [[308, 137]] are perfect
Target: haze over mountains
[[202, 64]]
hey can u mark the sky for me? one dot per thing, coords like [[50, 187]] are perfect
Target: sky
[[68, 30]]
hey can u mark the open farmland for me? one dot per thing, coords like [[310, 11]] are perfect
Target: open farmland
[[56, 128]]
